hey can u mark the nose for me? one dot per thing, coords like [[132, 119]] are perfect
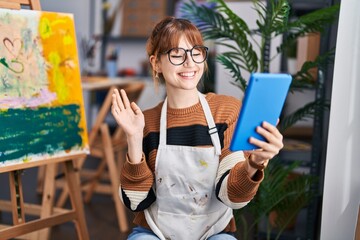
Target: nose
[[188, 60]]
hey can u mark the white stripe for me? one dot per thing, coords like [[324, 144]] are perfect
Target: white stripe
[[229, 162], [135, 197]]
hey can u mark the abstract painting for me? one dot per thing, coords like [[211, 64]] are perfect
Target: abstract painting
[[41, 104]]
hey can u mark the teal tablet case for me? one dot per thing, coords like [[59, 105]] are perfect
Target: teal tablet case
[[263, 101]]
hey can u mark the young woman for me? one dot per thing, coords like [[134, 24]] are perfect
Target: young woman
[[180, 177]]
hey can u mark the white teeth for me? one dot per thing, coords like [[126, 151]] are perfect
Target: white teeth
[[187, 74]]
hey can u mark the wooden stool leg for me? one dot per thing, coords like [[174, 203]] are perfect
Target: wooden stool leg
[[114, 178], [73, 182], [48, 197], [63, 197]]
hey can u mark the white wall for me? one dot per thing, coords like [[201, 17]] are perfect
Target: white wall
[[342, 181]]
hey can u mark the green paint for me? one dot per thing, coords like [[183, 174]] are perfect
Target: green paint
[[3, 62], [45, 130]]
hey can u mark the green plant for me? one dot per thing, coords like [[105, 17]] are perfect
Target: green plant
[[219, 23], [282, 192]]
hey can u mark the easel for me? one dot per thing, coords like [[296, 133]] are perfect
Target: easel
[[49, 216], [110, 149]]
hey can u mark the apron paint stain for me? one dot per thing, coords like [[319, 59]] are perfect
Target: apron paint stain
[[203, 163]]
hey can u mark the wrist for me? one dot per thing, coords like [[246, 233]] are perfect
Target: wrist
[[255, 165], [134, 148]]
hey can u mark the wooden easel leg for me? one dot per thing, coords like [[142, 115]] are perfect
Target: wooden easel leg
[[114, 178], [17, 198], [40, 180], [73, 182], [48, 197]]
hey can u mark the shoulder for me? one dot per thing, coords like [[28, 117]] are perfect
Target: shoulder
[[225, 101], [153, 111], [152, 118], [224, 107]]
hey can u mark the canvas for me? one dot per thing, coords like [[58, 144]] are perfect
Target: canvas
[[41, 105]]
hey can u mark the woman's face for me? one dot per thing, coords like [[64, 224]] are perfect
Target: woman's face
[[185, 76]]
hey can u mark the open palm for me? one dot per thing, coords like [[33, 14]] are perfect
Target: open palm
[[128, 115]]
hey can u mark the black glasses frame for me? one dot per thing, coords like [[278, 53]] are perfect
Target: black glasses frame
[[186, 51]]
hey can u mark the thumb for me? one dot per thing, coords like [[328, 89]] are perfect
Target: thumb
[[136, 108]]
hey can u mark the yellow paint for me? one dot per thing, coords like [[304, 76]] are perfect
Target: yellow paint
[[203, 163], [68, 40], [58, 38], [26, 159], [45, 28]]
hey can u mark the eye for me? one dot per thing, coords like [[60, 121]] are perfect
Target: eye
[[176, 56]]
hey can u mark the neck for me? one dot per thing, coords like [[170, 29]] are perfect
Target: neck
[[182, 98]]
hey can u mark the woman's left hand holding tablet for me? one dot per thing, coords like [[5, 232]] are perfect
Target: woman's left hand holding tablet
[[269, 148]]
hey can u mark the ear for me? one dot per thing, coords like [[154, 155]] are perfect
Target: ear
[[155, 64]]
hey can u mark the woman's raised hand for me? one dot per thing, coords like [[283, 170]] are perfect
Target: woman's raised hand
[[128, 115], [131, 119]]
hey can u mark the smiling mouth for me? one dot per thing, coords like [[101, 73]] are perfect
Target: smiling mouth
[[187, 74]]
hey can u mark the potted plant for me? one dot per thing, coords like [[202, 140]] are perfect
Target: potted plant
[[219, 23]]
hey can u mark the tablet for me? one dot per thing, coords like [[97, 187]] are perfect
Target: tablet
[[263, 101]]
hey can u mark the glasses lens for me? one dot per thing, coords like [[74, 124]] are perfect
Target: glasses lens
[[199, 54], [177, 56]]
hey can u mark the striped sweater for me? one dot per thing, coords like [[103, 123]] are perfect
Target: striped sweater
[[189, 127]]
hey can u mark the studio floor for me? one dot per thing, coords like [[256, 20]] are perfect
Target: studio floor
[[100, 212]]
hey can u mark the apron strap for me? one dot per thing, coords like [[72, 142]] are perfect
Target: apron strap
[[211, 124], [163, 124], [209, 119]]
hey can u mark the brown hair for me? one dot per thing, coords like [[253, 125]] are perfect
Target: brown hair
[[167, 33]]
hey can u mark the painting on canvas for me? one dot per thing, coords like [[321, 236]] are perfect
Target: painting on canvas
[[41, 105]]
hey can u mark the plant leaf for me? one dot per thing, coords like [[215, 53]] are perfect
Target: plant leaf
[[307, 111], [223, 25], [234, 69], [316, 21]]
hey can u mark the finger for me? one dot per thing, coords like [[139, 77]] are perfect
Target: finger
[[125, 98], [114, 106], [271, 134], [119, 102], [271, 128], [136, 108], [265, 146], [114, 109]]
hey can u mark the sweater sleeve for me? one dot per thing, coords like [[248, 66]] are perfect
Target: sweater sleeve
[[234, 186], [136, 185]]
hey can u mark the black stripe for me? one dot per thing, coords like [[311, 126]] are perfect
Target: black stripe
[[218, 185], [194, 135]]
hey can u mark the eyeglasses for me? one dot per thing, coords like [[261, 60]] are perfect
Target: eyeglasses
[[177, 56]]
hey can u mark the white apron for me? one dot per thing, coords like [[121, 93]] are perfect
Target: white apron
[[186, 206]]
